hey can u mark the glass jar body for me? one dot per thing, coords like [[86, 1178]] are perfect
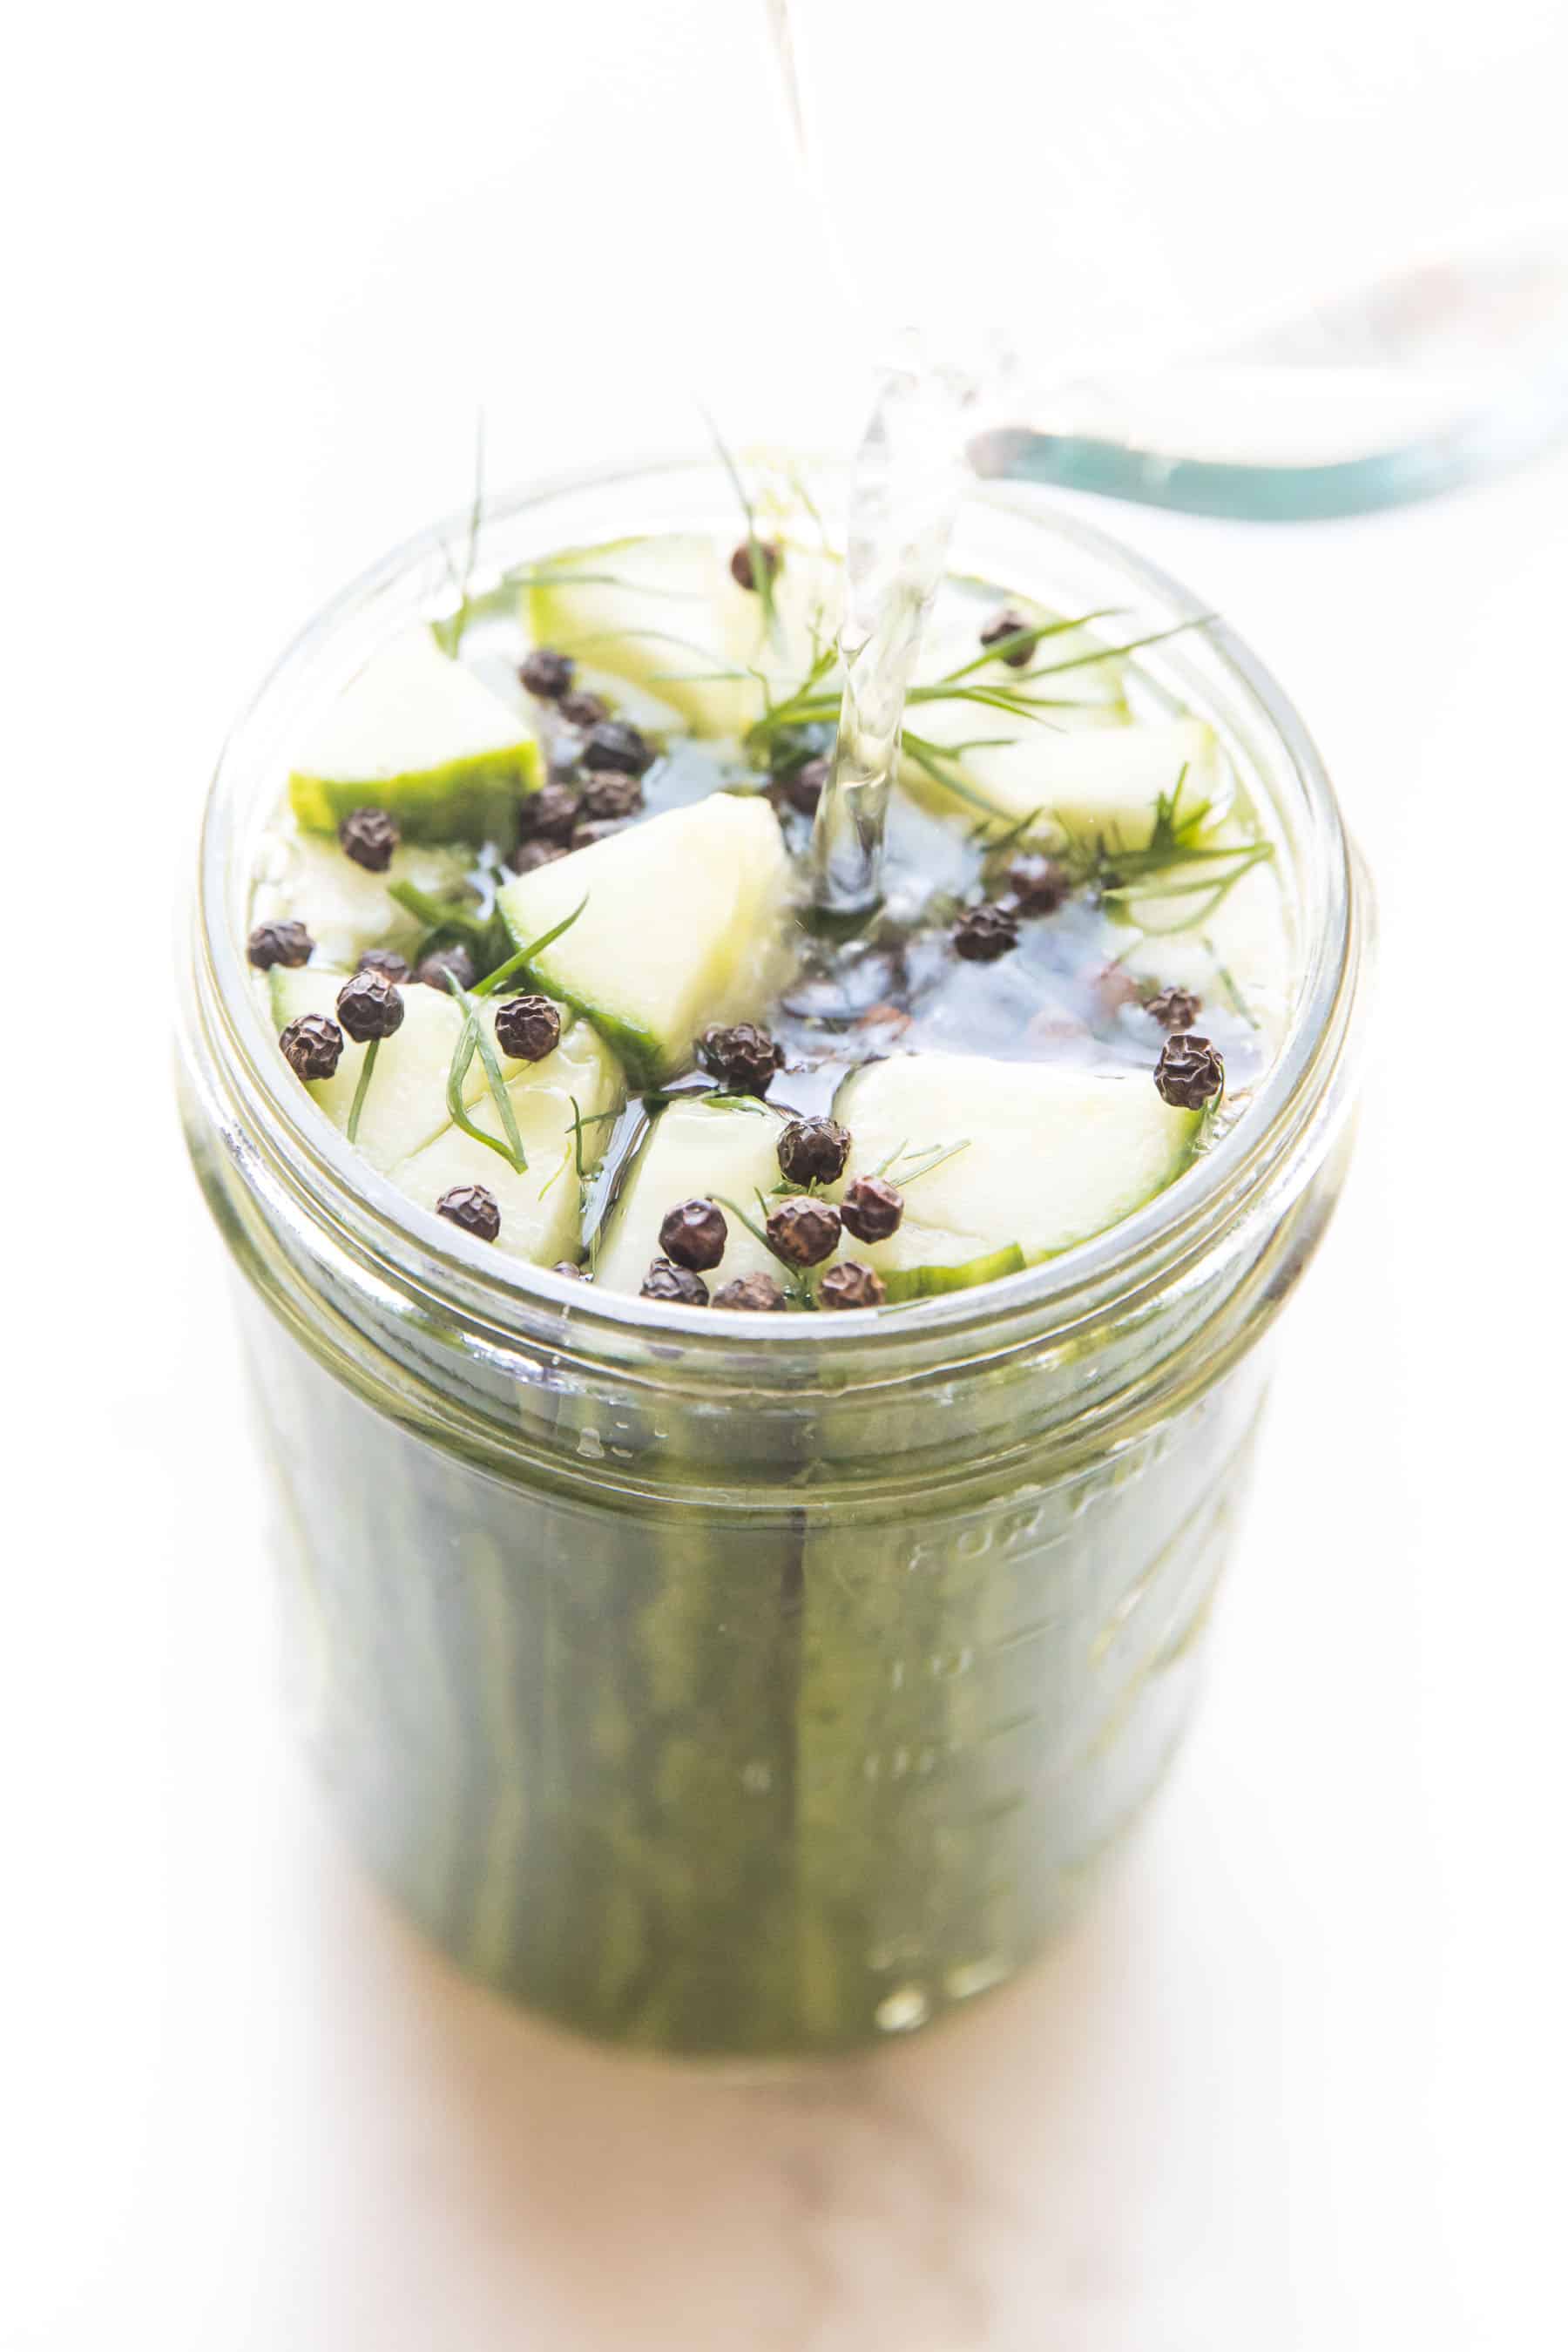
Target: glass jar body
[[739, 1699]]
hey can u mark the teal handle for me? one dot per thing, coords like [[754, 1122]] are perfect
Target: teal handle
[[1531, 420]]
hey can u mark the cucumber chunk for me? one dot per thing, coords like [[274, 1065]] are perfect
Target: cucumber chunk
[[406, 1103], [1088, 783], [692, 1151], [419, 735], [1052, 1156], [682, 926], [922, 1262], [1236, 954], [307, 879], [540, 1206], [667, 614]]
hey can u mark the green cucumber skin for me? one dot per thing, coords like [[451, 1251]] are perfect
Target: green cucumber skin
[[932, 1281], [745, 1783], [638, 1052], [471, 800]]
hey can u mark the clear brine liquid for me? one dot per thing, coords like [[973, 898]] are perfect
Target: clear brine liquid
[[909, 474]]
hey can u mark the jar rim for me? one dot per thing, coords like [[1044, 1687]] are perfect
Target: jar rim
[[505, 1301]]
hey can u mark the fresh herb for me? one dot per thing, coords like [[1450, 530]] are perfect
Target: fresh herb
[[449, 634], [518, 963], [471, 1039], [1177, 863], [1228, 981], [362, 1088], [762, 557], [929, 1157], [440, 917]]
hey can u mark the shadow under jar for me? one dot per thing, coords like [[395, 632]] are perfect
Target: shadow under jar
[[749, 1686]]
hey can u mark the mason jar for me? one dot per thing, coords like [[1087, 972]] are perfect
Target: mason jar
[[744, 1694]]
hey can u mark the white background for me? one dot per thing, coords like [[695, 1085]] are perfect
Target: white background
[[1299, 2083]]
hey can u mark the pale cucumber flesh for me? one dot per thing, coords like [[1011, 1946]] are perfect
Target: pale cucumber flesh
[[668, 613], [692, 1151], [680, 927], [419, 735], [1051, 1155], [559, 1107], [308, 879]]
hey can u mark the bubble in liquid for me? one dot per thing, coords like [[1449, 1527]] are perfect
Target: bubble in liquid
[[901, 2011]]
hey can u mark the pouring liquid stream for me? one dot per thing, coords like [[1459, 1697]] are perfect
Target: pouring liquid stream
[[909, 474]]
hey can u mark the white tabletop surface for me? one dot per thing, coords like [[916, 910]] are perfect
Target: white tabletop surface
[[1299, 2082]]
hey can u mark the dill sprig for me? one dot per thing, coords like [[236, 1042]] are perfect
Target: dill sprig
[[930, 1156], [516, 965], [439, 915], [449, 634], [574, 1129], [472, 1039], [807, 705], [362, 1088], [1177, 863], [762, 567]]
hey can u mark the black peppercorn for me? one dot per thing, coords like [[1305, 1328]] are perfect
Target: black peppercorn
[[806, 787], [432, 971], [386, 959], [813, 1151], [615, 745], [1008, 624], [744, 566], [601, 829], [850, 1284], [756, 1294], [548, 815], [1039, 884], [529, 854], [804, 1230], [694, 1234], [985, 933], [608, 793], [474, 1208], [546, 674], [676, 1283], [285, 944], [312, 1045], [744, 1058], [872, 1209], [369, 836], [369, 1006], [584, 710], [528, 1027], [1189, 1072], [1174, 1008]]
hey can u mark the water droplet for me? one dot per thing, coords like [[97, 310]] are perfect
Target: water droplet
[[902, 2010]]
